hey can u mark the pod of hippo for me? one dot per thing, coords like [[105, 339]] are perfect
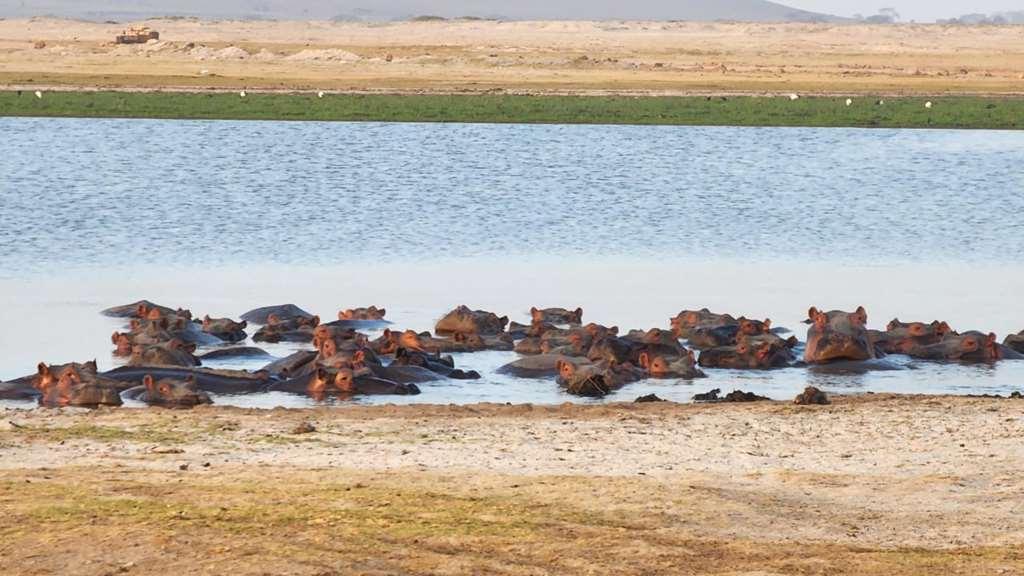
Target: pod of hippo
[[162, 368]]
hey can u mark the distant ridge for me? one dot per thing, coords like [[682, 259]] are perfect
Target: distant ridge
[[383, 10]]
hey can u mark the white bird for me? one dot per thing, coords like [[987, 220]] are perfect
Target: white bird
[[320, 94], [928, 105], [794, 97], [242, 93], [881, 102], [39, 94], [849, 102]]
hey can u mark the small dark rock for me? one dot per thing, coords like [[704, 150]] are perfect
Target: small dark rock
[[741, 396], [304, 428], [649, 399], [708, 396]]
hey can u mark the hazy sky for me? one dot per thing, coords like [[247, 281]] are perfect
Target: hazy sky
[[922, 10]]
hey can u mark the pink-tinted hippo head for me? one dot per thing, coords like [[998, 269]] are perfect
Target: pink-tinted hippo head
[[838, 335], [687, 320], [75, 385], [557, 316], [371, 313], [660, 366], [462, 320], [750, 353], [903, 337], [172, 393], [970, 346]]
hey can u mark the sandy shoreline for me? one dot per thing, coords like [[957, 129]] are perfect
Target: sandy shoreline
[[912, 484], [636, 58]]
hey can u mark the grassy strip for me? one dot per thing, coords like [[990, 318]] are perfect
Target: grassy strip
[[946, 112]]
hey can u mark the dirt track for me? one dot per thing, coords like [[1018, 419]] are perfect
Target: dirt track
[[873, 485], [530, 57]]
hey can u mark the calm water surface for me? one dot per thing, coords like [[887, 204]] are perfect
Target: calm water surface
[[632, 223]]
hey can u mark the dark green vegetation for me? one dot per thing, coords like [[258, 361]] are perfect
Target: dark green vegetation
[[946, 112]]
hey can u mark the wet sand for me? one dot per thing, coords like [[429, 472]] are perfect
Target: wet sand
[[522, 57], [875, 484]]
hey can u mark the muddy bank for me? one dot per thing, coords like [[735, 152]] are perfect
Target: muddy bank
[[874, 484]]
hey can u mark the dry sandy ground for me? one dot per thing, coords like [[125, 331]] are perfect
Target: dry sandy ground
[[870, 485], [530, 57]]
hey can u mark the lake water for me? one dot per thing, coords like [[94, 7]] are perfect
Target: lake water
[[632, 223]]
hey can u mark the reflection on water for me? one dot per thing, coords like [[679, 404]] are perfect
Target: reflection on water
[[631, 223]]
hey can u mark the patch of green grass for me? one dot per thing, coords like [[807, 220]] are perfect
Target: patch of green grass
[[947, 112], [144, 434]]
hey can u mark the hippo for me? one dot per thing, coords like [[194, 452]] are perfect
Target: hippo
[[970, 347], [596, 380], [760, 352], [611, 348], [662, 367], [530, 346], [213, 381], [371, 313], [459, 342], [283, 312], [296, 329], [159, 331], [291, 365], [707, 336], [1015, 342], [435, 363], [343, 382], [838, 335], [140, 309], [538, 366], [557, 316], [172, 353], [536, 329], [462, 320], [234, 353], [655, 342], [225, 329], [18, 390], [75, 385], [687, 320], [168, 393], [902, 337]]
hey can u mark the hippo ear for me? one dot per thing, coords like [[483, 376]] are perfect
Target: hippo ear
[[503, 320], [141, 311], [645, 360], [614, 330], [691, 356], [767, 324], [991, 338], [244, 324], [812, 314], [315, 321], [91, 366], [382, 312], [344, 314], [43, 369], [943, 329], [358, 357], [387, 333], [579, 313], [892, 325], [321, 374], [148, 382], [134, 324], [164, 323], [115, 337]]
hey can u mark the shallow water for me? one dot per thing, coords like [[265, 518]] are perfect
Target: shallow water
[[632, 223]]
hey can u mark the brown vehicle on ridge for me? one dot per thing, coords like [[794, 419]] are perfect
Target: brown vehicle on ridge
[[139, 35]]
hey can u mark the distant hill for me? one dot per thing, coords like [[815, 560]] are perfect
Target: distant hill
[[382, 10]]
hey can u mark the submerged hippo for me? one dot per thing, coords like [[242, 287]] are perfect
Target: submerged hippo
[[462, 320], [225, 329], [557, 316], [435, 363], [684, 323], [596, 380], [903, 337], [760, 352], [298, 329], [343, 382], [837, 336], [234, 352], [172, 353], [971, 347], [283, 312], [142, 309], [538, 366], [1015, 342], [371, 313], [213, 381], [75, 385], [168, 392], [664, 367], [705, 337], [292, 365]]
